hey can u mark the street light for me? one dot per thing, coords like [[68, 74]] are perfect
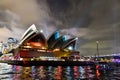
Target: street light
[[97, 42]]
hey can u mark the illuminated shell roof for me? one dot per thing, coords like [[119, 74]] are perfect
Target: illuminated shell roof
[[52, 39], [69, 42], [58, 43], [36, 38]]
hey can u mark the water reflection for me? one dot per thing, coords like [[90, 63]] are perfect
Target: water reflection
[[8, 72]]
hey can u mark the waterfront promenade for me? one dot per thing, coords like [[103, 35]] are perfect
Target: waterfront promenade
[[51, 63]]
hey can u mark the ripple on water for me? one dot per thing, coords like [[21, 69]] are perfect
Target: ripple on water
[[8, 72]]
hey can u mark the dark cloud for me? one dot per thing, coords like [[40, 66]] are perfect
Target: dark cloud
[[7, 19], [89, 20], [28, 10], [70, 13], [82, 13]]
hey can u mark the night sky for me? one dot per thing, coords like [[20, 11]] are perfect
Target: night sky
[[89, 20]]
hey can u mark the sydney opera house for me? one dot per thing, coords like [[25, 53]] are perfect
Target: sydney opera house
[[33, 44]]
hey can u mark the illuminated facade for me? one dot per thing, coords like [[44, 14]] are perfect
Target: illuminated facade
[[34, 44]]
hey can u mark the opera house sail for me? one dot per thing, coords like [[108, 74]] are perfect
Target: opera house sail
[[31, 31], [33, 44], [52, 39]]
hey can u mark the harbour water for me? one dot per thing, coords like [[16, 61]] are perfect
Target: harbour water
[[10, 72]]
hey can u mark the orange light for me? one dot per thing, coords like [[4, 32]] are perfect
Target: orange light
[[36, 44], [49, 51], [43, 48], [40, 50], [28, 44], [97, 74], [56, 50], [27, 47]]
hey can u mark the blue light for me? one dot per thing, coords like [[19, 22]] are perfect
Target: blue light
[[64, 38], [56, 35]]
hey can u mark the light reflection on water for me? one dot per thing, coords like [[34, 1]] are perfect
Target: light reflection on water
[[9, 72]]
